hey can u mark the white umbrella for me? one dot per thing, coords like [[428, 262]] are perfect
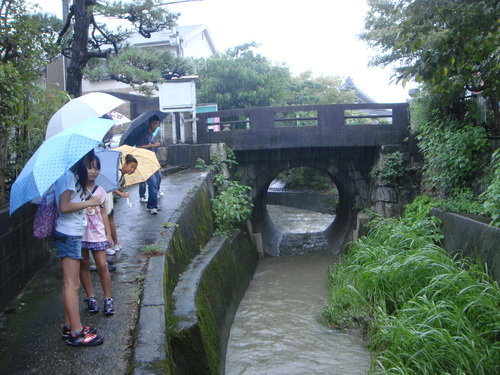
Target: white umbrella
[[85, 107]]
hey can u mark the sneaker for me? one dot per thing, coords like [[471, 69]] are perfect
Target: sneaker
[[111, 268], [143, 200], [109, 306], [117, 246], [110, 252], [158, 208], [92, 305], [85, 339], [66, 332], [160, 193], [153, 211], [93, 267]]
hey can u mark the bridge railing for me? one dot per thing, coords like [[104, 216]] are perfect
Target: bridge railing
[[306, 126]]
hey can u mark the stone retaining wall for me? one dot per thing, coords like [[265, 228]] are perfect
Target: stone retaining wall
[[21, 254]]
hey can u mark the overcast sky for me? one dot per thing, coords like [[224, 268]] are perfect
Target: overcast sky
[[316, 35]]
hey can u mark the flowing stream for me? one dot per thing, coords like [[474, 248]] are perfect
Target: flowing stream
[[277, 327]]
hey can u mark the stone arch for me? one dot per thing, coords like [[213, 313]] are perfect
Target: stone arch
[[349, 169]]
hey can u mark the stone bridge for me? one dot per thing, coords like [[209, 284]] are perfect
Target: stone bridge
[[345, 141]]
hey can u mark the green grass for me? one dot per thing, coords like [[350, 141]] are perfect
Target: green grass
[[423, 312]]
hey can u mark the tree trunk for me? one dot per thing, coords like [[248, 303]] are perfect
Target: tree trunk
[[3, 163], [496, 113], [79, 54]]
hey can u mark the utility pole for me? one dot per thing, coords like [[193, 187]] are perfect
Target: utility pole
[[65, 9]]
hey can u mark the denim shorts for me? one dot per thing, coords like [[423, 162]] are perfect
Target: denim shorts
[[68, 246]]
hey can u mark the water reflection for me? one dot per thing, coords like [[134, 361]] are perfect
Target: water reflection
[[277, 330]]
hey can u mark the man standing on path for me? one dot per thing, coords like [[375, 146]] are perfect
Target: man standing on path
[[146, 139]]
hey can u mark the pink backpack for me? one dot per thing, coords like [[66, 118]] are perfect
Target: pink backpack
[[46, 216]]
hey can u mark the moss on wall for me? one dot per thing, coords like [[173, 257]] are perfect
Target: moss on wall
[[225, 269]]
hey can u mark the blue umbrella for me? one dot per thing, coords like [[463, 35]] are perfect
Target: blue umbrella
[[54, 157], [140, 123]]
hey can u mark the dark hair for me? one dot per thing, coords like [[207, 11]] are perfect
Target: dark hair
[[129, 158], [81, 167], [154, 118]]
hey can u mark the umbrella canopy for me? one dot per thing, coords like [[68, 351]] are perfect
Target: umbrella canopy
[[147, 164], [82, 108], [119, 118], [54, 157], [108, 176], [137, 124]]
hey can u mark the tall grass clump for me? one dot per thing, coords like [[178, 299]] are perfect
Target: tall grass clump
[[423, 312]]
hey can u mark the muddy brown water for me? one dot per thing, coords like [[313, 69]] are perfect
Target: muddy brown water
[[277, 328]]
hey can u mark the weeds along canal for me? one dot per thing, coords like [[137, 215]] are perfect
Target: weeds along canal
[[277, 328]]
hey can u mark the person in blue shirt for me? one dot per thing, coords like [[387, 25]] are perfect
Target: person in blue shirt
[[146, 139]]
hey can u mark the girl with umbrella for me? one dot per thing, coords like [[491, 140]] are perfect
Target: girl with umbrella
[[73, 200]]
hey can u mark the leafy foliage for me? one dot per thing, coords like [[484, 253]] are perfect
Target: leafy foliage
[[452, 145], [232, 205], [305, 178], [139, 66], [84, 37], [450, 44], [391, 169], [305, 89], [26, 45], [492, 193], [240, 78], [425, 312]]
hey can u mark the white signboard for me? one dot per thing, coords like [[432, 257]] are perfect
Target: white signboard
[[178, 96]]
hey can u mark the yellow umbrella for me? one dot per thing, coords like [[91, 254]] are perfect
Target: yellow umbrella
[[147, 164]]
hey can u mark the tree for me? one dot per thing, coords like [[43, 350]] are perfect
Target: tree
[[450, 45], [27, 43], [90, 39], [239, 78], [139, 66], [305, 89]]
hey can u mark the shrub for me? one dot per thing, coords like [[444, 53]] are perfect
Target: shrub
[[425, 312], [492, 193], [232, 205]]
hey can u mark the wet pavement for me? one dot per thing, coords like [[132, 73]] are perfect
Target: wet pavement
[[30, 327]]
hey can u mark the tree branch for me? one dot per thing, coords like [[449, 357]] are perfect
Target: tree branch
[[66, 25]]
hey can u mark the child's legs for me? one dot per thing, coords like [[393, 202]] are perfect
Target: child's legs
[[71, 284], [85, 273], [102, 267], [69, 251], [112, 228]]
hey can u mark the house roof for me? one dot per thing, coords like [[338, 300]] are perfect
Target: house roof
[[360, 95]]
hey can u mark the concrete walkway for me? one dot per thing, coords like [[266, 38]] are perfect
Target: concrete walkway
[[30, 333]]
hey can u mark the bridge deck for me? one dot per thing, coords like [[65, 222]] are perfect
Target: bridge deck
[[334, 125]]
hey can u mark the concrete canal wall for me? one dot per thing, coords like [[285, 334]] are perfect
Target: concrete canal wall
[[204, 279], [472, 238]]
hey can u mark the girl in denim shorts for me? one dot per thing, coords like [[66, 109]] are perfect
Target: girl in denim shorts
[[72, 203]]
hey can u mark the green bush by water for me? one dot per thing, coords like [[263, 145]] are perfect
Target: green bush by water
[[424, 312]]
